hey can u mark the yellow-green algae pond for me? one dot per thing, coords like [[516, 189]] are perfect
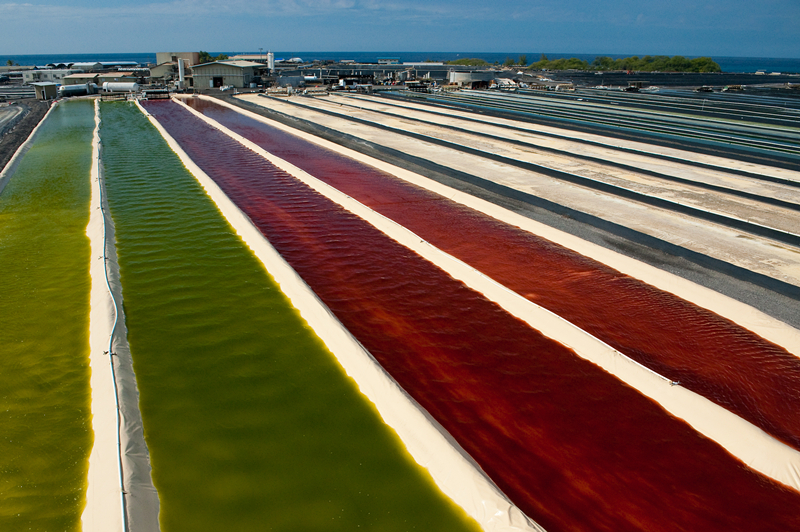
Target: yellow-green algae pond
[[250, 421], [45, 419]]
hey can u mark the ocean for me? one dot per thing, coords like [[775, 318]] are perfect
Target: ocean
[[728, 64]]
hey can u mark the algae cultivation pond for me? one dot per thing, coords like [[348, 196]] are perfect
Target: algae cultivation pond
[[44, 370]]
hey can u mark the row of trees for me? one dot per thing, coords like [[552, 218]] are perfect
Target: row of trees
[[660, 63], [472, 61], [648, 63], [469, 61], [573, 63]]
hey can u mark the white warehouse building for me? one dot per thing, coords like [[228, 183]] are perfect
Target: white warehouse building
[[233, 73]]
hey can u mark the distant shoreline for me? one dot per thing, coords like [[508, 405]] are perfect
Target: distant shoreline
[[728, 64]]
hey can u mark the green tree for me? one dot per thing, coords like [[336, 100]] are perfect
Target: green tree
[[523, 60], [10, 62], [508, 62], [705, 64], [572, 63], [206, 57], [603, 63]]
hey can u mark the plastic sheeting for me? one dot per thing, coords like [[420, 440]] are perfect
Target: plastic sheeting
[[104, 504]]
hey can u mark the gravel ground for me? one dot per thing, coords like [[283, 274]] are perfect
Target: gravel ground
[[10, 141]]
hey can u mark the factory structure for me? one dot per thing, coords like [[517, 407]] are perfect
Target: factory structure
[[184, 72], [266, 71]]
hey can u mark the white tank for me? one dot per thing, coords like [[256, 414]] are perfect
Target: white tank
[[110, 86], [73, 90], [270, 60]]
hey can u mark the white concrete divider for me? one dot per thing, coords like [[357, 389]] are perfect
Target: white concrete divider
[[121, 495], [452, 469], [756, 448]]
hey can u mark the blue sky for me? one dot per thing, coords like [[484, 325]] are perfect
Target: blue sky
[[767, 28]]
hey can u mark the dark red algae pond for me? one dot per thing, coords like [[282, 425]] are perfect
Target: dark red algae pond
[[707, 354], [573, 447]]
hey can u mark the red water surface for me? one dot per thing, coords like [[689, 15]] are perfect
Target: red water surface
[[572, 446], [706, 353]]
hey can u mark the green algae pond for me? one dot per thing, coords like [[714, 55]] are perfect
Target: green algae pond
[[250, 421], [45, 417]]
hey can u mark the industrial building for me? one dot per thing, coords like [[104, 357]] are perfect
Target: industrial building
[[164, 73], [45, 90], [93, 66], [116, 77], [80, 78], [174, 68], [189, 58], [226, 73], [55, 75], [255, 58], [471, 80]]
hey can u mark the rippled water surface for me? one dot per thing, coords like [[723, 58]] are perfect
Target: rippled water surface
[[251, 423], [45, 421], [571, 445], [705, 353]]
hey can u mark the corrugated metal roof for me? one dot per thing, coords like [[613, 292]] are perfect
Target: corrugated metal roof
[[240, 64]]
